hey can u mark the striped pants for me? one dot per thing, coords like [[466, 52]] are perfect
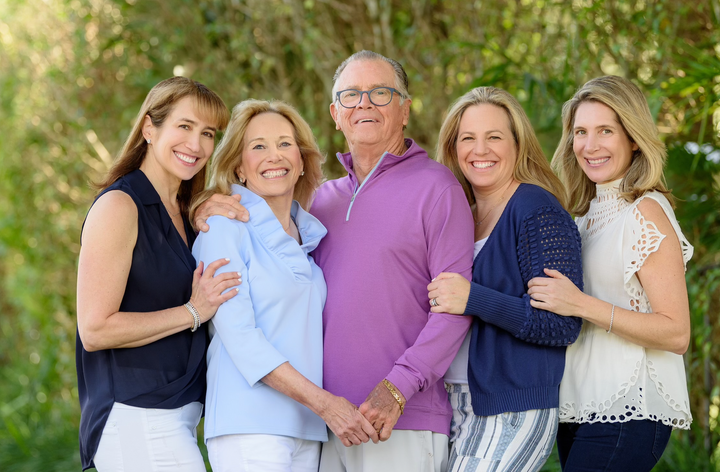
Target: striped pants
[[514, 441]]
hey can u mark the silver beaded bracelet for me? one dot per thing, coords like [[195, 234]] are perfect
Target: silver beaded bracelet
[[195, 314], [612, 317]]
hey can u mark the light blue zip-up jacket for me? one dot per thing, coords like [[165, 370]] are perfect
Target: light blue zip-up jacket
[[275, 317]]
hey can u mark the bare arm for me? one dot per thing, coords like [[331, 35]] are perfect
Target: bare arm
[[108, 241], [666, 328], [341, 416]]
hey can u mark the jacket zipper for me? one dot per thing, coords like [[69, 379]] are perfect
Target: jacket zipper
[[357, 189]]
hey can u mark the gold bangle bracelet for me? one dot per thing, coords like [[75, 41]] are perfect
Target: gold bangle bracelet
[[394, 393]]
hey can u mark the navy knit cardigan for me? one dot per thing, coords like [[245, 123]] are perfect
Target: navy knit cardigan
[[517, 353]]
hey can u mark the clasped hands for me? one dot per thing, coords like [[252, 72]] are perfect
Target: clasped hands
[[373, 420]]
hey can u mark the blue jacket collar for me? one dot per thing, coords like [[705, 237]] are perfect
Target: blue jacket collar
[[269, 228]]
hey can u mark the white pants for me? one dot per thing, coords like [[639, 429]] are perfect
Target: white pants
[[513, 441], [262, 453], [150, 440], [405, 451]]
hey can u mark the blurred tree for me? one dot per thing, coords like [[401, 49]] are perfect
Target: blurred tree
[[74, 72]]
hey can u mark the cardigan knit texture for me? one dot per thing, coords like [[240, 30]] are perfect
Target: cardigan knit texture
[[387, 239], [517, 352], [275, 318]]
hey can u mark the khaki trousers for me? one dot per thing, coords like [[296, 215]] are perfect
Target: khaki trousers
[[405, 451]]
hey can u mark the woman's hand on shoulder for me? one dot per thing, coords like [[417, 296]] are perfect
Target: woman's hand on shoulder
[[556, 293], [224, 205], [448, 293], [209, 290]]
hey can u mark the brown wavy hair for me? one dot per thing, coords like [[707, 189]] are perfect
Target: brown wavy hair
[[158, 105]]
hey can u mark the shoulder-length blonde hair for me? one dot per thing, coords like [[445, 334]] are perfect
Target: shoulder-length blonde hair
[[158, 105], [531, 165], [646, 166], [228, 154]]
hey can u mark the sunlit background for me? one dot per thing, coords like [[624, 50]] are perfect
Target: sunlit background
[[73, 75]]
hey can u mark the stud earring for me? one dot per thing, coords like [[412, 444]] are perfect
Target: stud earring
[[148, 140], [302, 173]]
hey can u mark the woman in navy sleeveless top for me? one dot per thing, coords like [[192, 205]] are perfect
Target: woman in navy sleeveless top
[[141, 302]]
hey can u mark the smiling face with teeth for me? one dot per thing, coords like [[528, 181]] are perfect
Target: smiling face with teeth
[[370, 129], [271, 161], [486, 148], [601, 145], [181, 146]]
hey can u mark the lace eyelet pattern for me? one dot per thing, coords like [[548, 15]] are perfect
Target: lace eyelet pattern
[[609, 379]]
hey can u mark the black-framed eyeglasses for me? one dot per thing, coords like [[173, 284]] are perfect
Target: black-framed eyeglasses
[[379, 96]]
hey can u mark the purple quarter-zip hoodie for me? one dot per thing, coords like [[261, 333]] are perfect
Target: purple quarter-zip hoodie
[[387, 239]]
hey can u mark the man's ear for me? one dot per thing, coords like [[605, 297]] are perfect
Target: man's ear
[[334, 114], [406, 111]]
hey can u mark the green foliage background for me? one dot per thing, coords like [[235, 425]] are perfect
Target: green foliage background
[[74, 72]]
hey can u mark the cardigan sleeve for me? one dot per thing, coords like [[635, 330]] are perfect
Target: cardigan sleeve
[[234, 322], [548, 238]]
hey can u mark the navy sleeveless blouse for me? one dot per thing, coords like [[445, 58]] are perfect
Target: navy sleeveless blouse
[[167, 373]]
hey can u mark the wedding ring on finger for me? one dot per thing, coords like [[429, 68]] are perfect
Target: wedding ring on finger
[[434, 302]]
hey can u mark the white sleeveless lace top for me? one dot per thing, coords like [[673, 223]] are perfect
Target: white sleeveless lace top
[[608, 379]]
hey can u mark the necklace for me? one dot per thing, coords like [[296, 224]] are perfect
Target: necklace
[[502, 197], [478, 223], [172, 215]]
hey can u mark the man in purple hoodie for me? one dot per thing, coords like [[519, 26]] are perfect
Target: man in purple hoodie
[[396, 221]]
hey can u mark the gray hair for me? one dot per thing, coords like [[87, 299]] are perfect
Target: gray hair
[[401, 78]]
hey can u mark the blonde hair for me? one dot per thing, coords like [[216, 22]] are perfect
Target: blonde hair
[[228, 154], [158, 105], [531, 165], [646, 166]]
